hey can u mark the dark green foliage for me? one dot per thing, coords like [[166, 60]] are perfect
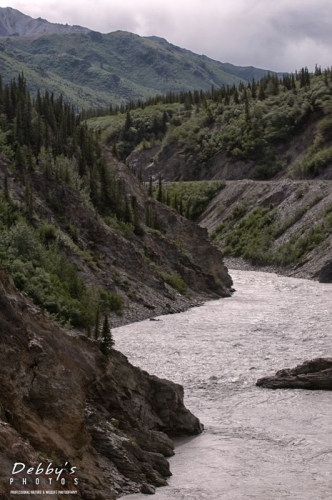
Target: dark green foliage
[[246, 123], [97, 324], [48, 233], [253, 236], [160, 190], [46, 136], [106, 338], [175, 281], [138, 230], [189, 199], [110, 302]]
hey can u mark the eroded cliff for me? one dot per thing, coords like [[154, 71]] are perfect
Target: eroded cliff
[[63, 401]]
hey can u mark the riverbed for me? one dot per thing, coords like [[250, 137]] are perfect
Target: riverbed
[[257, 444]]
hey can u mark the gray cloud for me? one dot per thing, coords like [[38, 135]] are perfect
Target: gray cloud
[[281, 35]]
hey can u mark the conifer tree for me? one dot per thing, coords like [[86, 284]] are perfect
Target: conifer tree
[[106, 342], [97, 324], [137, 225], [6, 189], [160, 189], [29, 201], [127, 216], [150, 191]]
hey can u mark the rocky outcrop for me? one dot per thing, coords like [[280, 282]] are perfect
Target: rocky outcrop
[[325, 275], [315, 375], [63, 401]]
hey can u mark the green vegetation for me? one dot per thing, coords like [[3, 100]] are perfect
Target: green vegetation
[[296, 248], [175, 281], [189, 199], [93, 70], [253, 236], [44, 138], [39, 267], [252, 123], [106, 338]]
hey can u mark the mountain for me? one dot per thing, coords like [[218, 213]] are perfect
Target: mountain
[[92, 69], [14, 23]]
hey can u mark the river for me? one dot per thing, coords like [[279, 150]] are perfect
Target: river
[[257, 444]]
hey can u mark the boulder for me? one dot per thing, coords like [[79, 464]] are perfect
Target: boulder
[[314, 375]]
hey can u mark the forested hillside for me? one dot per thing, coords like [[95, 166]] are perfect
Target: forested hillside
[[79, 233], [260, 130], [275, 130], [84, 247]]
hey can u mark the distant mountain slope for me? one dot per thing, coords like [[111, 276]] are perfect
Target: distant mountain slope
[[92, 69], [14, 23]]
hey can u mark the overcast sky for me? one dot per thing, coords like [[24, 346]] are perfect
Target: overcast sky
[[280, 35]]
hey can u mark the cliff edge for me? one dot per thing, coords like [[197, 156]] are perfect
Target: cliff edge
[[63, 403]]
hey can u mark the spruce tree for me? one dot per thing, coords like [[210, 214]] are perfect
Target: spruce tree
[[106, 342], [97, 320], [160, 190], [150, 190], [137, 223]]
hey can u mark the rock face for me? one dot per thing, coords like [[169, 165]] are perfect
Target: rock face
[[325, 275], [62, 401], [314, 375], [298, 207]]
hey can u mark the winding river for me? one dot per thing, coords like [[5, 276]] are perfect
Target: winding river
[[258, 444]]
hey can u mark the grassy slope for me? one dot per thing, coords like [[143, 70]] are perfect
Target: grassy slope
[[95, 69]]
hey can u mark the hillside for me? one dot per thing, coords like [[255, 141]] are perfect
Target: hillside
[[284, 225], [92, 69], [276, 133], [65, 404], [79, 232], [269, 128], [83, 246]]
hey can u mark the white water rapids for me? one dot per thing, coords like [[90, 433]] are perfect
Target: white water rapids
[[257, 444]]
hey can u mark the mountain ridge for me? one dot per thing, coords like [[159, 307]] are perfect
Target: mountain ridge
[[92, 69], [15, 23]]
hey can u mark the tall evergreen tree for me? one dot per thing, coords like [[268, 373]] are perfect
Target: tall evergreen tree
[[97, 324], [106, 341]]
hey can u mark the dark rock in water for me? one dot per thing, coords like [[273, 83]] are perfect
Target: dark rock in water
[[325, 275], [314, 375]]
